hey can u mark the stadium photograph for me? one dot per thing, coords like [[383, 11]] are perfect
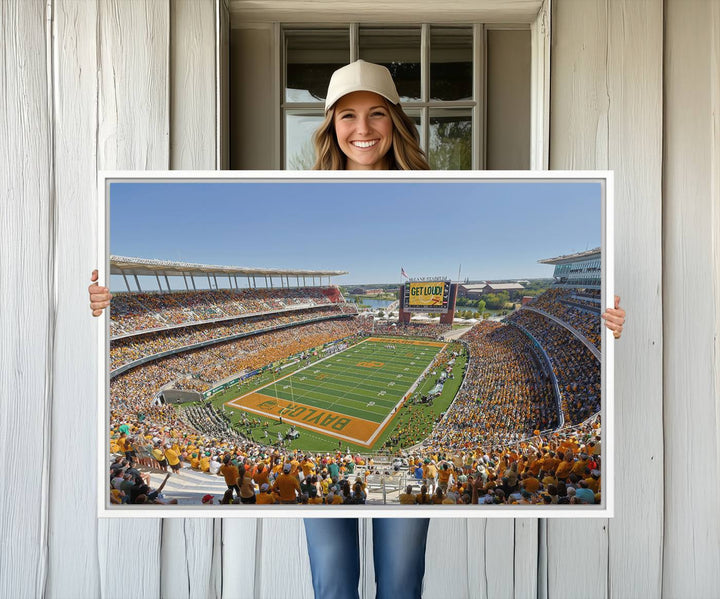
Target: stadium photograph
[[380, 344]]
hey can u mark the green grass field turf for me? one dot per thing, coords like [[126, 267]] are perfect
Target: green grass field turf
[[313, 441], [342, 383], [360, 387]]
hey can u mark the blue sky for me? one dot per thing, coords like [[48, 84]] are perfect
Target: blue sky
[[496, 230]]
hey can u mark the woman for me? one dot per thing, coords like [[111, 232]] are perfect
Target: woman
[[423, 498], [247, 485], [365, 129]]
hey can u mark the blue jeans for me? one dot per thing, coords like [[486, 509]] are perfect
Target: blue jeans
[[398, 551]]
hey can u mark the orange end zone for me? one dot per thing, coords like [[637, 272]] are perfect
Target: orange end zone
[[407, 341], [327, 422]]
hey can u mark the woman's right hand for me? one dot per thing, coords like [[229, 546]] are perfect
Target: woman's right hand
[[99, 296]]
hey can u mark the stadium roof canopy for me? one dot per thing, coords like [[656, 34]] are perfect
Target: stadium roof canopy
[[570, 258], [147, 267]]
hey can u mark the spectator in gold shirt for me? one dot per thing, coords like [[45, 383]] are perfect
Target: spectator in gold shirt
[[287, 486], [231, 473], [407, 498], [266, 496]]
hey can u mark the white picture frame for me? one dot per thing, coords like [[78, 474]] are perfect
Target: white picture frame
[[603, 510]]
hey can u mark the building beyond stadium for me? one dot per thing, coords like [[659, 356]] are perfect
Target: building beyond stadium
[[580, 270]]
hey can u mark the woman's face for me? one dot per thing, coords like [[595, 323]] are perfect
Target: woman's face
[[364, 130]]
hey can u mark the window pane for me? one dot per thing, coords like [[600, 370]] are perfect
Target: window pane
[[450, 145], [311, 58], [508, 100], [399, 51], [451, 55], [299, 150], [415, 116]]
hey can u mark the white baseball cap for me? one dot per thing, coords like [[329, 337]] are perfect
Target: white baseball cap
[[361, 76]]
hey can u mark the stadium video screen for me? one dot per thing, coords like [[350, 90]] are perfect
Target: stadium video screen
[[426, 296]]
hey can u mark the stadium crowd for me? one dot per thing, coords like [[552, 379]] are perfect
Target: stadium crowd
[[140, 385], [559, 468], [411, 329], [563, 467], [134, 312], [128, 349], [579, 311], [209, 422], [504, 395], [487, 449], [576, 368], [415, 422]]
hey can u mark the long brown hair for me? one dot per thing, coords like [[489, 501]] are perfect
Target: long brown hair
[[404, 155]]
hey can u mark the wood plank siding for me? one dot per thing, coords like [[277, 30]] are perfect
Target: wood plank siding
[[143, 84]]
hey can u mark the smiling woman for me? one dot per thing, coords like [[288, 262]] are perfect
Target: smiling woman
[[365, 127], [364, 130]]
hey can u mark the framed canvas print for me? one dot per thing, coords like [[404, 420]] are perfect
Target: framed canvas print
[[335, 344]]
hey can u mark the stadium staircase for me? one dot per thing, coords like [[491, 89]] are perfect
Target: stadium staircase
[[190, 486]]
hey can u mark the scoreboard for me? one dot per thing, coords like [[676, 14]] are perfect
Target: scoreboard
[[426, 296]]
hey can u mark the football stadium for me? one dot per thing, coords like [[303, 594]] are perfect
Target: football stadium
[[269, 386]]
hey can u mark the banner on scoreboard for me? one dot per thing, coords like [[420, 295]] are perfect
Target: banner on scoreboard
[[429, 296], [426, 294]]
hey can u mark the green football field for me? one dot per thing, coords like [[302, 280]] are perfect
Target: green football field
[[350, 395]]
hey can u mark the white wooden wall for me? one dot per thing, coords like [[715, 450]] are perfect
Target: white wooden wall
[[606, 113], [635, 87], [691, 289]]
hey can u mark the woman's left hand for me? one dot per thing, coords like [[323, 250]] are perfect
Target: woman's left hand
[[615, 318]]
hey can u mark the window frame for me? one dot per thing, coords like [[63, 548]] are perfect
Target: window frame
[[539, 28], [476, 106]]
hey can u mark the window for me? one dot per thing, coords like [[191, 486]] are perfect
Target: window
[[437, 71], [467, 87]]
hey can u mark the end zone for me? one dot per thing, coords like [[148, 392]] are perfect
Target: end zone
[[326, 422]]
